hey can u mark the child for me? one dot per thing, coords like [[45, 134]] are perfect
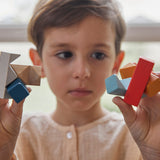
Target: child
[[78, 47]]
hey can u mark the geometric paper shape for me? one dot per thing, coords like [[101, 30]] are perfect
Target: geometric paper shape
[[13, 57], [6, 73], [4, 62], [30, 75], [34, 75], [11, 75]]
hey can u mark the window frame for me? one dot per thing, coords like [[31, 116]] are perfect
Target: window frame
[[147, 32]]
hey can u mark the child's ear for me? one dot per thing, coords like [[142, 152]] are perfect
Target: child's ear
[[118, 62], [36, 60]]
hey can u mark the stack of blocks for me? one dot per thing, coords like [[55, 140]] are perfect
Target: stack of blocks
[[137, 81], [14, 77]]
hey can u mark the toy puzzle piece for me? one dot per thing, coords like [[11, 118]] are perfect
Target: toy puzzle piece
[[11, 75], [128, 70], [10, 84], [139, 81], [114, 86], [17, 90], [153, 85], [126, 82], [30, 75], [6, 72], [116, 89]]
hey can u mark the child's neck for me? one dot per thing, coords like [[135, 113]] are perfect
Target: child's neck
[[78, 118]]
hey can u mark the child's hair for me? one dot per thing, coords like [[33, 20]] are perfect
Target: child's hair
[[64, 13]]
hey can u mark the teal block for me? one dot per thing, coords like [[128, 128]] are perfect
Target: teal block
[[126, 82], [17, 90], [114, 86]]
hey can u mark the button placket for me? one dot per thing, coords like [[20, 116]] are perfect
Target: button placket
[[71, 143]]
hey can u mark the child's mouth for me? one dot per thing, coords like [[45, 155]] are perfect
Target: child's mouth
[[80, 92]]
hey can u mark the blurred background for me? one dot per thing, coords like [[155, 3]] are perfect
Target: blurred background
[[142, 39]]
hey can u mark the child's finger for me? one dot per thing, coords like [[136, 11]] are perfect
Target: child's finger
[[3, 104], [3, 101], [128, 112], [17, 108]]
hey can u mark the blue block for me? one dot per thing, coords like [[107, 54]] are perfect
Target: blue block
[[126, 82], [114, 86], [17, 90]]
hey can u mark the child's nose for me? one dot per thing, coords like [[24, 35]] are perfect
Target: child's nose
[[81, 70]]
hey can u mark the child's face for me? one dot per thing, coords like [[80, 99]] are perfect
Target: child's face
[[77, 60]]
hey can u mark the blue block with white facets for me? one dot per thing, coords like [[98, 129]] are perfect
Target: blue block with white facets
[[114, 86], [126, 82], [17, 90]]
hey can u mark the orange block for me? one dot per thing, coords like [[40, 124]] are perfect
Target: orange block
[[153, 85], [139, 81], [128, 70]]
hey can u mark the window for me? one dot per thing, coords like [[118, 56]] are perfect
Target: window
[[141, 11], [16, 11], [142, 39], [142, 17]]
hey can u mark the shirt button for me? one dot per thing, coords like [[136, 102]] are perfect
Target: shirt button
[[69, 135]]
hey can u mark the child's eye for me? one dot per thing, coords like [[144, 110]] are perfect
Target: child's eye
[[64, 55], [98, 55]]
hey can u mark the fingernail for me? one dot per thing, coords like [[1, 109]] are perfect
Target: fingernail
[[115, 100]]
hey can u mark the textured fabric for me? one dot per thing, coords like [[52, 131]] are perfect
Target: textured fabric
[[107, 138]]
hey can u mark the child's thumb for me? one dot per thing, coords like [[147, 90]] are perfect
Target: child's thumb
[[127, 110], [17, 108]]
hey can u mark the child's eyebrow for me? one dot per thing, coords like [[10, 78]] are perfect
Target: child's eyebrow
[[59, 45], [63, 45], [103, 45]]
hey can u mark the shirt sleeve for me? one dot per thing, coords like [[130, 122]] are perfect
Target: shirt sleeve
[[25, 145]]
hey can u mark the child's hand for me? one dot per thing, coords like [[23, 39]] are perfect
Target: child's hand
[[144, 124], [10, 120]]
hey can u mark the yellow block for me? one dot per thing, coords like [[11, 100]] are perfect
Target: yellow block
[[128, 70], [153, 85]]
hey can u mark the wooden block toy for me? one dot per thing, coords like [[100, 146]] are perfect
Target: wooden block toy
[[128, 70], [114, 86], [17, 90], [126, 82], [30, 75], [11, 75], [153, 85], [139, 81], [6, 72], [14, 77]]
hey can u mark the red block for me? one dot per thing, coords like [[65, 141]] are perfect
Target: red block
[[139, 81]]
